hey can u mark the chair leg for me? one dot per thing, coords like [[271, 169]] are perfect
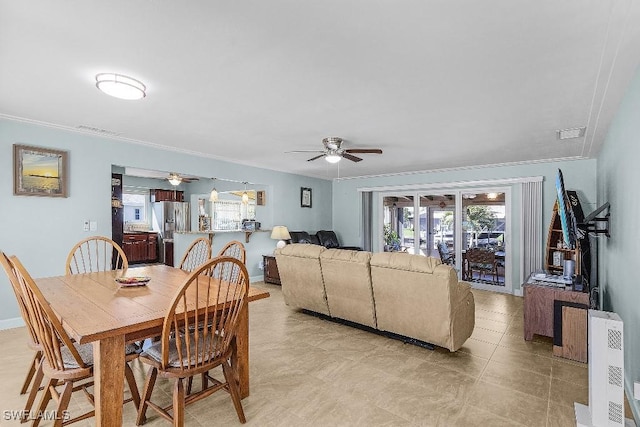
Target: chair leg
[[37, 380], [178, 403], [63, 403], [189, 384], [230, 377], [133, 386], [146, 395], [205, 380], [44, 400], [32, 370]]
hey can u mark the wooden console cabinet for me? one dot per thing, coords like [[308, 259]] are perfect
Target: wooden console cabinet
[[140, 247], [539, 301], [271, 273]]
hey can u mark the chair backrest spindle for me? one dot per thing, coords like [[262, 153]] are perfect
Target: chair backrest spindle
[[48, 329], [204, 315], [198, 252], [95, 254]]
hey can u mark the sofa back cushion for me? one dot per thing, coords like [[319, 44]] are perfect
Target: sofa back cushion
[[412, 296], [347, 281], [301, 277]]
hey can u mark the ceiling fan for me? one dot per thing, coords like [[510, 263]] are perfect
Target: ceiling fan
[[333, 151], [176, 179]]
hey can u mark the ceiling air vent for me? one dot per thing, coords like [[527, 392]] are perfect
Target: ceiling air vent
[[97, 130], [571, 133]]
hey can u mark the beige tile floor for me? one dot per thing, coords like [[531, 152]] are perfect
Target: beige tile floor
[[312, 372]]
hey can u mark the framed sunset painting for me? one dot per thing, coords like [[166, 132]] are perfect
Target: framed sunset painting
[[39, 171]]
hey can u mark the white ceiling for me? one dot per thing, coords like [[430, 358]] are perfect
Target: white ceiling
[[434, 84]]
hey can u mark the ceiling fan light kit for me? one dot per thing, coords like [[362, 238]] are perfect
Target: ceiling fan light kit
[[333, 151], [174, 179], [332, 158]]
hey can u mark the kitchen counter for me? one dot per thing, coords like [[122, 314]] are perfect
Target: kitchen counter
[[211, 233]]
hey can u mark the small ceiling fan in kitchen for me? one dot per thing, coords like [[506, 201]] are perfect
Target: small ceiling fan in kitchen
[[333, 151], [177, 179]]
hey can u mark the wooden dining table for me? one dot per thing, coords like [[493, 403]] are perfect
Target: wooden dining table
[[95, 309]]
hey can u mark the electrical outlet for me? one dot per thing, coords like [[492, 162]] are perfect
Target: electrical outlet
[[636, 390], [93, 225], [85, 225]]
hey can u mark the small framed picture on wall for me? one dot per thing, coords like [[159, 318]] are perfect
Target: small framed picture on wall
[[305, 197], [39, 171]]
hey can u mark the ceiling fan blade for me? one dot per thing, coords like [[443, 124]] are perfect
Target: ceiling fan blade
[[305, 151], [316, 157], [364, 150], [352, 158]]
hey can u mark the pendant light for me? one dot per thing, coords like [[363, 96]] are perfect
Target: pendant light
[[213, 197], [245, 196]]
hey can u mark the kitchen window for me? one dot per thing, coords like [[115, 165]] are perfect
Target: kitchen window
[[228, 214], [135, 209]]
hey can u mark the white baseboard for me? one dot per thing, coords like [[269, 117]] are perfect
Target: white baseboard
[[16, 322], [517, 292], [256, 279]]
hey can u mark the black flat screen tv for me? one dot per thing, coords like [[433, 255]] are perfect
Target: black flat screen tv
[[567, 217]]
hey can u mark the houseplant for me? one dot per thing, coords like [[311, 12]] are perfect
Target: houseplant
[[391, 239]]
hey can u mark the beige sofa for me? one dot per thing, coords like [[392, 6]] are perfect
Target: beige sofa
[[410, 295]]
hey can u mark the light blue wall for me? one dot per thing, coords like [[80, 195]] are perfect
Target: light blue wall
[[579, 175], [41, 230], [618, 179]]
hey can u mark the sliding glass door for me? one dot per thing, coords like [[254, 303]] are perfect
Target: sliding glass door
[[466, 228]]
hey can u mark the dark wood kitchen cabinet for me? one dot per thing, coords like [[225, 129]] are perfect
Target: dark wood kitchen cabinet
[[140, 247], [166, 195]]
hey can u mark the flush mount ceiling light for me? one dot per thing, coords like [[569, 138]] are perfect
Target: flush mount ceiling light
[[120, 86], [492, 196], [571, 133]]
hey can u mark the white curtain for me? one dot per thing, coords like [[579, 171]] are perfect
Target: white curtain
[[367, 225], [532, 238]]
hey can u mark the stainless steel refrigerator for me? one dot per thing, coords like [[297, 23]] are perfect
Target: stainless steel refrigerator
[[169, 217]]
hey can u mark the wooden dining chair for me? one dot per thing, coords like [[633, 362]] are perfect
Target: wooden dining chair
[[198, 252], [189, 348], [94, 254], [34, 375], [481, 260], [234, 249], [65, 363]]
